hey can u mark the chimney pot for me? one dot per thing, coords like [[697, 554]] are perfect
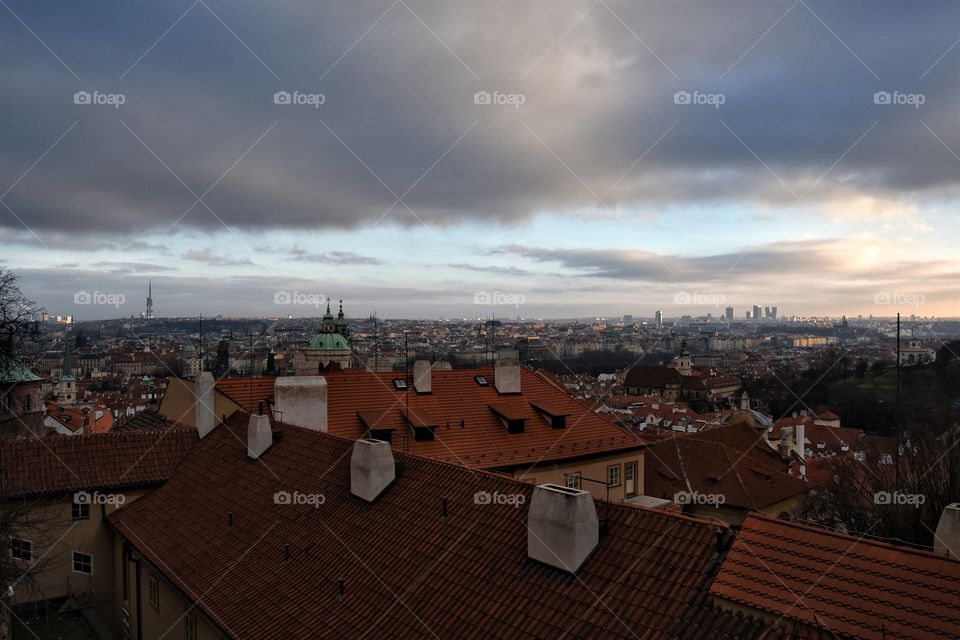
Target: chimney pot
[[562, 527], [259, 436], [205, 408], [946, 540], [506, 372], [422, 376], [372, 469], [302, 400]]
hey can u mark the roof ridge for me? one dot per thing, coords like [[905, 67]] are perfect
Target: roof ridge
[[863, 537]]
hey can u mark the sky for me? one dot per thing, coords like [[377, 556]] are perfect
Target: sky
[[544, 158]]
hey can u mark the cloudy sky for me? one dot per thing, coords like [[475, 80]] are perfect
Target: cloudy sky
[[543, 158]]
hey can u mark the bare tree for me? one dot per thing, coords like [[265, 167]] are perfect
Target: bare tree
[[18, 316], [892, 492]]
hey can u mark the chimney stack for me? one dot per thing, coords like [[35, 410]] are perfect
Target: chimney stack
[[302, 400], [206, 417], [422, 376], [562, 527], [259, 436], [372, 469], [506, 372], [946, 540]]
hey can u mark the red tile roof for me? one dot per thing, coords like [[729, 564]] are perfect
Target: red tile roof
[[468, 432], [408, 570], [247, 392], [108, 460], [853, 587], [732, 460]]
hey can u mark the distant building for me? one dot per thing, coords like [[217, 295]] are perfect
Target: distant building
[[757, 312], [729, 314], [67, 384], [916, 354], [331, 345], [659, 319]]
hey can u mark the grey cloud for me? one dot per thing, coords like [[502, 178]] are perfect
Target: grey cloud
[[594, 104], [333, 257]]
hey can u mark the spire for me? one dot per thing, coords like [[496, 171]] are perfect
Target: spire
[[340, 315]]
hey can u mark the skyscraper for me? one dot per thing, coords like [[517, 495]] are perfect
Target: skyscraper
[[757, 312], [773, 313], [659, 317], [729, 314]]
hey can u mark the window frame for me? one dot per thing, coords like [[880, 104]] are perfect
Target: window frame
[[153, 592], [189, 627], [22, 543], [79, 510], [614, 467], [574, 480], [75, 561]]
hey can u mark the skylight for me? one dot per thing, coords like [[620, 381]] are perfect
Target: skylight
[[400, 383], [481, 380]]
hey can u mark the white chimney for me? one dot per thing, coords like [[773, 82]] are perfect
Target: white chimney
[[422, 376], [301, 400], [801, 443], [372, 469], [259, 436], [562, 526], [946, 540], [506, 372], [206, 414]]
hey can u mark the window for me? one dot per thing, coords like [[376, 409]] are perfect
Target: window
[[153, 592], [82, 563], [400, 384], [190, 628], [80, 511], [21, 549], [573, 479], [27, 403], [481, 380], [613, 476]]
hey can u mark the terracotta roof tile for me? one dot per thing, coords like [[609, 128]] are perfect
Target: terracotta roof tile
[[107, 460], [853, 587], [407, 570]]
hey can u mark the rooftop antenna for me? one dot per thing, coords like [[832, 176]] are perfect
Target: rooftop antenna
[[898, 425]]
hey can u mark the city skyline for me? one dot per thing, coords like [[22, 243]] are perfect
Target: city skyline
[[420, 160]]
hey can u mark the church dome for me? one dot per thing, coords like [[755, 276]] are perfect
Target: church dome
[[328, 342]]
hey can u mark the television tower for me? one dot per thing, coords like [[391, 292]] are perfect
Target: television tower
[[148, 314]]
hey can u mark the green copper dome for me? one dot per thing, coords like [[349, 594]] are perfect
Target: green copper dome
[[328, 342]]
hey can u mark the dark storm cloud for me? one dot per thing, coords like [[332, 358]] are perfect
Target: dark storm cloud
[[198, 140]]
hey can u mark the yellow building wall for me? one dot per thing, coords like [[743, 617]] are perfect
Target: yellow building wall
[[593, 468]]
